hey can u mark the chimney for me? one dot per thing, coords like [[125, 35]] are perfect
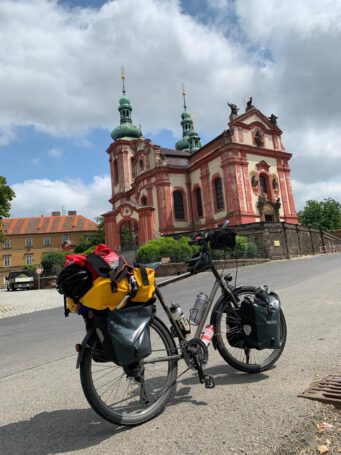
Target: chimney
[[55, 213], [72, 212]]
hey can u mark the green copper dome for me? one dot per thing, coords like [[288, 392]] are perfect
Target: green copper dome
[[126, 130], [126, 127], [186, 116], [182, 144], [124, 101]]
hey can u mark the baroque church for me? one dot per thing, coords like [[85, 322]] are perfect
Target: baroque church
[[242, 175]]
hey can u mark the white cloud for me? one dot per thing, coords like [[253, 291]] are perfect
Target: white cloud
[[61, 74], [318, 191], [42, 196], [55, 152]]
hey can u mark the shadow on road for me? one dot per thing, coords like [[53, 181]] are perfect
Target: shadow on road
[[56, 432], [224, 375], [183, 396]]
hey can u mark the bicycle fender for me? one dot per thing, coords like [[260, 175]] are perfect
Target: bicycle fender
[[217, 309], [84, 345]]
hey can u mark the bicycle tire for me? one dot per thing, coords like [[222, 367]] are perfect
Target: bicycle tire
[[115, 412], [236, 356]]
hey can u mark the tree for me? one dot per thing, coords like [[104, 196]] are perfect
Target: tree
[[98, 237], [324, 214], [6, 195], [53, 262]]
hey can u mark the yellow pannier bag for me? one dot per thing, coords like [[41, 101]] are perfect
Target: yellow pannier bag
[[101, 296]]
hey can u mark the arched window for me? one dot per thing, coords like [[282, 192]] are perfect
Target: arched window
[[115, 169], [179, 212], [141, 164], [144, 200], [263, 184], [198, 201], [219, 199]]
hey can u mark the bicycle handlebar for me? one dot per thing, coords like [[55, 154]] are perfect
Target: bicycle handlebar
[[219, 238]]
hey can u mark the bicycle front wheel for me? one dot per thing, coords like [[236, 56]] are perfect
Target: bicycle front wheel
[[230, 341], [134, 395]]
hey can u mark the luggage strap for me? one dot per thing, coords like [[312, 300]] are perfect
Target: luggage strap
[[123, 269]]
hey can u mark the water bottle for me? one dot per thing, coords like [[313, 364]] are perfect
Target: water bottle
[[180, 319], [197, 312], [207, 336]]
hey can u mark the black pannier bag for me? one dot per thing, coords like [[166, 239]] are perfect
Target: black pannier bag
[[261, 320], [125, 333], [223, 239]]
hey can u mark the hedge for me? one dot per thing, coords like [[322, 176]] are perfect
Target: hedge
[[179, 250], [176, 250]]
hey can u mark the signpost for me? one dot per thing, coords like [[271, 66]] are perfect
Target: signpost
[[39, 271]]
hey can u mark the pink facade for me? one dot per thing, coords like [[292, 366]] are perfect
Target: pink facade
[[242, 175]]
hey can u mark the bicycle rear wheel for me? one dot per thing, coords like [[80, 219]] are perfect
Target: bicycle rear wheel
[[134, 395], [230, 342]]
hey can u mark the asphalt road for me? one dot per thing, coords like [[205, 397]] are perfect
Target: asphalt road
[[43, 410]]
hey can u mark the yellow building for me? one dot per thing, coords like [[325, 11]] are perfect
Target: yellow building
[[26, 239]]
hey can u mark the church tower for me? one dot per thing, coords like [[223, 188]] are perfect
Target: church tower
[[190, 140], [122, 159]]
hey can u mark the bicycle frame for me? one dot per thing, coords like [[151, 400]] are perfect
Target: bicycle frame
[[219, 282]]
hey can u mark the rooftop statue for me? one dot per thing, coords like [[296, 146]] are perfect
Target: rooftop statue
[[273, 119], [234, 111], [249, 105]]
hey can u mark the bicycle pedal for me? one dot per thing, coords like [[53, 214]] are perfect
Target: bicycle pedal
[[209, 382]]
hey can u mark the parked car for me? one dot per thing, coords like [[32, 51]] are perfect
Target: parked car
[[19, 280]]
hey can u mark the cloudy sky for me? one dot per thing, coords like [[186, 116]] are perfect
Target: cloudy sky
[[60, 84]]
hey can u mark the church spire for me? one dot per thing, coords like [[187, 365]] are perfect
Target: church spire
[[190, 140], [123, 77], [126, 128]]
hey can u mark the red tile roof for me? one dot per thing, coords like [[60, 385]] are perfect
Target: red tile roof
[[48, 225]]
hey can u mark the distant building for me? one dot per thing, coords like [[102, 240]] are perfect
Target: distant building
[[242, 175], [26, 239]]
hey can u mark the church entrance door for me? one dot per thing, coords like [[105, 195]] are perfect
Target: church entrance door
[[129, 235]]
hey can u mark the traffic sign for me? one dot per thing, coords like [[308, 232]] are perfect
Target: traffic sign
[[39, 270]]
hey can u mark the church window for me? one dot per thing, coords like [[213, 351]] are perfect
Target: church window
[[143, 200], [179, 212], [115, 169], [199, 202], [263, 184], [219, 199]]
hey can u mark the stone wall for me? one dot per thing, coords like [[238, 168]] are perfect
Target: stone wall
[[282, 240]]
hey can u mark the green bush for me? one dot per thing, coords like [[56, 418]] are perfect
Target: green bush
[[244, 248], [53, 262], [176, 250], [180, 250]]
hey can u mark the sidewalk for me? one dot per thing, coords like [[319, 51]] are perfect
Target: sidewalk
[[23, 302]]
